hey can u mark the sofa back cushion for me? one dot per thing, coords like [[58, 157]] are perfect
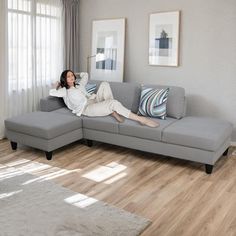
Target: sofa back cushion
[[126, 93], [129, 95], [176, 100], [51, 103]]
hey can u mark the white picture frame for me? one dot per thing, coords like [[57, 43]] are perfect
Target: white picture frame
[[107, 57], [164, 38]]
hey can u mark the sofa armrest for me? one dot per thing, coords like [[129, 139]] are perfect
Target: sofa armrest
[[51, 103]]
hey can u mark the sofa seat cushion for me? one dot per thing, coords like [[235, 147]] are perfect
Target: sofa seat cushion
[[104, 123], [198, 132], [134, 129], [45, 125]]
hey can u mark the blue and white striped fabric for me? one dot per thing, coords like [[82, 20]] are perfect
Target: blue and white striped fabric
[[153, 102], [90, 88]]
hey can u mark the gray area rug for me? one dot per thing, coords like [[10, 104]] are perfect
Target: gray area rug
[[33, 208]]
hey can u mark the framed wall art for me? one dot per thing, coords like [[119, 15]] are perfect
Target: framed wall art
[[164, 38], [106, 61]]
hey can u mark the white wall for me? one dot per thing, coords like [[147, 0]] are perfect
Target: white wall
[[207, 68]]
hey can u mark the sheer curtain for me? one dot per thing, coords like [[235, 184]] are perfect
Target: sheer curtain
[[34, 53], [3, 64]]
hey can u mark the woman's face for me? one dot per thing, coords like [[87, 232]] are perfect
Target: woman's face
[[70, 78]]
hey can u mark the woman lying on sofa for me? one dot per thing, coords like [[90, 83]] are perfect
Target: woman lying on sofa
[[102, 103]]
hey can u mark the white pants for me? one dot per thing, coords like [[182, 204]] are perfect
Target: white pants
[[104, 103]]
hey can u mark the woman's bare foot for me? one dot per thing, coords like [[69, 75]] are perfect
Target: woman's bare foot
[[117, 117], [148, 122], [143, 120]]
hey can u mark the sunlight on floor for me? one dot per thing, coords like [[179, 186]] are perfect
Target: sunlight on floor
[[104, 172], [116, 178], [30, 167], [5, 195], [234, 153], [80, 200], [18, 162], [55, 174], [2, 166], [19, 167], [109, 173], [7, 173]]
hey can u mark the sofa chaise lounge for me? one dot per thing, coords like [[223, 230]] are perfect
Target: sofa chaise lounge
[[199, 139]]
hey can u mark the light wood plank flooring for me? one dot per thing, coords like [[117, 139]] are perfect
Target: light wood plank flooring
[[176, 195]]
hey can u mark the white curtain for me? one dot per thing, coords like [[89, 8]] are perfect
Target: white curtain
[[32, 58], [3, 64]]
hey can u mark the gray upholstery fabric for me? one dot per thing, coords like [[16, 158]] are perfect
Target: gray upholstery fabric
[[126, 93], [199, 132], [107, 123], [166, 149], [134, 129], [192, 138], [45, 144], [175, 106], [51, 103], [46, 125]]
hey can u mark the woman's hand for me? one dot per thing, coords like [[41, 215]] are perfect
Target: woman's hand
[[92, 96]]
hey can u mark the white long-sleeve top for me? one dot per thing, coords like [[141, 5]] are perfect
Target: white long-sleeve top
[[75, 98]]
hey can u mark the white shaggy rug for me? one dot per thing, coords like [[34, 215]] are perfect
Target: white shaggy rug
[[33, 208]]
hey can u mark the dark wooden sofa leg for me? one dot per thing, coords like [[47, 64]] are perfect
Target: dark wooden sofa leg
[[89, 143], [226, 152], [209, 168], [48, 155], [13, 145]]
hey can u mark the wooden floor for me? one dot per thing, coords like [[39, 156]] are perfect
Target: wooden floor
[[176, 195]]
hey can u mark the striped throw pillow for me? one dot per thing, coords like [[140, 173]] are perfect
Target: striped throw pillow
[[90, 88], [153, 102]]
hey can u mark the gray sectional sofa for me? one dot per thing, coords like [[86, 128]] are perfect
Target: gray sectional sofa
[[198, 139]]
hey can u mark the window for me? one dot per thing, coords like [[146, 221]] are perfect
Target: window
[[34, 43]]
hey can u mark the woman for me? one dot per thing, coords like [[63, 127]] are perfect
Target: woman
[[101, 104]]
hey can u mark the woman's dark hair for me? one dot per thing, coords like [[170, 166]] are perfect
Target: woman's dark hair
[[63, 82]]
